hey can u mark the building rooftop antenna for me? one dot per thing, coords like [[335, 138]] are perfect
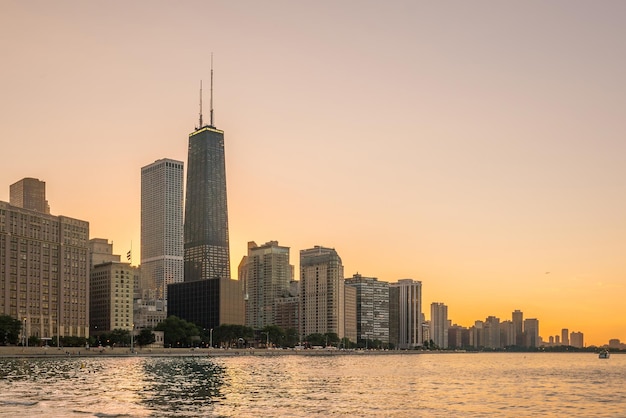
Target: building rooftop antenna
[[200, 126], [211, 104]]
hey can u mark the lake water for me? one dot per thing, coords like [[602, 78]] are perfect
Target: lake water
[[409, 385]]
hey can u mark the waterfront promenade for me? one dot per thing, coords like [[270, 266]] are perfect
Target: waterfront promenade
[[41, 352]]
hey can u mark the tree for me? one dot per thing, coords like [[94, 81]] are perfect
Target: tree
[[291, 337], [9, 330], [274, 334], [229, 334], [315, 339], [145, 337], [177, 332]]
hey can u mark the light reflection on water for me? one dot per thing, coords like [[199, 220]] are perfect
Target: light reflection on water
[[282, 386]]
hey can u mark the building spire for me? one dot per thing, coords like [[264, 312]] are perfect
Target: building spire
[[211, 104], [200, 126]]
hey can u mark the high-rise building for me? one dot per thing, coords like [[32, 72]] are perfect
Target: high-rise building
[[111, 297], [208, 296], [161, 227], [207, 254], [577, 339], [439, 324], [29, 193], [44, 272], [266, 274], [372, 309], [409, 313], [507, 334], [492, 332], [322, 292], [518, 327], [565, 336], [350, 315], [531, 332]]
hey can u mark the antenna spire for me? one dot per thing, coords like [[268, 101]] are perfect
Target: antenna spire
[[200, 126], [211, 114]]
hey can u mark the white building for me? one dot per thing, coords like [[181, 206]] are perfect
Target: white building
[[162, 263]]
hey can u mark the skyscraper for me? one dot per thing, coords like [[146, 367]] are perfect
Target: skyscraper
[[161, 227], [29, 193], [322, 292], [518, 327], [207, 254], [439, 324], [565, 336], [531, 332], [409, 313], [208, 296], [267, 276], [372, 309]]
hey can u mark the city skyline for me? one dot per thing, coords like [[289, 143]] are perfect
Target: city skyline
[[475, 148]]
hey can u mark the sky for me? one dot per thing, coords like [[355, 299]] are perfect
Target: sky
[[476, 146]]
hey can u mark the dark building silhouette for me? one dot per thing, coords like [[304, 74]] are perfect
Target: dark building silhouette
[[207, 297]]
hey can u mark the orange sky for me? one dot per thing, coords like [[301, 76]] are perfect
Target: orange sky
[[475, 146]]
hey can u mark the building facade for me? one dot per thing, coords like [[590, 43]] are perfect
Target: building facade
[[44, 272], [206, 248], [577, 339], [266, 275], [410, 316], [439, 324], [531, 332], [161, 228], [111, 292], [322, 292], [517, 318], [29, 193], [372, 309]]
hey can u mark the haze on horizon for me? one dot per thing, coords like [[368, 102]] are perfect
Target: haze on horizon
[[475, 146]]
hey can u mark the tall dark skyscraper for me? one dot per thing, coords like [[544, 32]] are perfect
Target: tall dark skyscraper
[[207, 254], [207, 297]]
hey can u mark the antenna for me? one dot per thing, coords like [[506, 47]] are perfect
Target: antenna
[[211, 89], [199, 127]]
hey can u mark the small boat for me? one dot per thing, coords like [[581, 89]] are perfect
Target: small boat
[[604, 354]]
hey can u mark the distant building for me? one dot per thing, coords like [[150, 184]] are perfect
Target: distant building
[[101, 251], [322, 292], [477, 334], [162, 260], [577, 339], [565, 336], [458, 336], [508, 334], [350, 315], [410, 316], [518, 327], [531, 332], [44, 272], [111, 297], [266, 276], [492, 332], [439, 324], [372, 308], [29, 193]]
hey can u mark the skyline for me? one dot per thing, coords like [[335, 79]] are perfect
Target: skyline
[[476, 148]]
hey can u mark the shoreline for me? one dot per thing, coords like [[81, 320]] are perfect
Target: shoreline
[[55, 352]]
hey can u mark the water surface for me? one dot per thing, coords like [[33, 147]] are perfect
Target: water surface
[[464, 384]]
